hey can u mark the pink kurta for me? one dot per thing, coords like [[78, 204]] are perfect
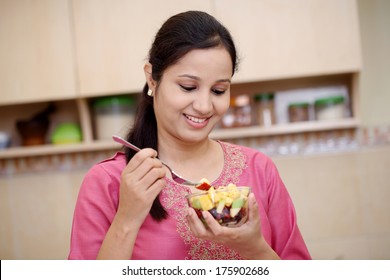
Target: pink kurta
[[172, 239]]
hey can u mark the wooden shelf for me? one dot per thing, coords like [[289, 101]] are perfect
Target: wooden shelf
[[42, 150], [222, 134], [255, 131]]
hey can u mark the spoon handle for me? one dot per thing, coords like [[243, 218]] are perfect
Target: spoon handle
[[175, 177], [125, 143]]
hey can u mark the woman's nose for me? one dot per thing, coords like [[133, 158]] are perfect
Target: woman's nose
[[203, 103]]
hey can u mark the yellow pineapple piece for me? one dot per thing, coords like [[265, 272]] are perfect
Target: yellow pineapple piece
[[228, 201], [211, 194], [195, 203], [205, 202], [231, 187], [233, 194], [245, 192]]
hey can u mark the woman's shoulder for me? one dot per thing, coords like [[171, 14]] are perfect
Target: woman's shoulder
[[112, 166], [251, 157], [249, 152]]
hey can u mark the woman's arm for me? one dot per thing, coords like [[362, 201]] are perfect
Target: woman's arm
[[141, 181]]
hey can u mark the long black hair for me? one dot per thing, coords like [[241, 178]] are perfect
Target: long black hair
[[179, 35]]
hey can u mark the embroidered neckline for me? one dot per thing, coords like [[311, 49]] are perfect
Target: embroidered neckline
[[173, 199]]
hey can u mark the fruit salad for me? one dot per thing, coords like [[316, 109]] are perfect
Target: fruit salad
[[227, 204]]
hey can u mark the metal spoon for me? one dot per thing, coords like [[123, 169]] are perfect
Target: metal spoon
[[175, 177]]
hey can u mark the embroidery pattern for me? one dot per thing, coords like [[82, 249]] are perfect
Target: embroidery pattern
[[173, 199]]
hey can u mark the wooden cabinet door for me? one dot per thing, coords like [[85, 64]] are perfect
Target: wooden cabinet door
[[283, 39], [36, 51], [113, 39]]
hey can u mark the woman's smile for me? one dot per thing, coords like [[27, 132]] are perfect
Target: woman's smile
[[196, 122]]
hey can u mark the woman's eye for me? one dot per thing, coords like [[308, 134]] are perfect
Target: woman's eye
[[218, 92], [187, 88]]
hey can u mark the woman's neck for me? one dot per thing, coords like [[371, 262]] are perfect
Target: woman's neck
[[193, 161], [176, 151]]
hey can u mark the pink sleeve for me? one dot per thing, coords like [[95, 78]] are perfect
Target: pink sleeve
[[95, 209], [287, 240]]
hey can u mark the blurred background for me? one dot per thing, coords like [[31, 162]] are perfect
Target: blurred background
[[312, 92]]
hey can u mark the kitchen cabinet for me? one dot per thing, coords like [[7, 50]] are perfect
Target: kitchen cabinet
[[286, 39], [113, 38], [348, 80], [36, 51], [282, 46]]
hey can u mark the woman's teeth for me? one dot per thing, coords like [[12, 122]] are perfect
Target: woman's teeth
[[197, 120]]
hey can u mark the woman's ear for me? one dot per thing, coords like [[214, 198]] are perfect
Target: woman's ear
[[148, 76]]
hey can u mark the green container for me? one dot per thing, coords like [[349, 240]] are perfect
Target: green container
[[298, 112], [67, 133], [264, 109], [111, 103], [330, 108], [264, 97], [329, 101], [114, 115]]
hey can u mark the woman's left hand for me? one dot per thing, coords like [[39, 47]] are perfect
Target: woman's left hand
[[246, 239]]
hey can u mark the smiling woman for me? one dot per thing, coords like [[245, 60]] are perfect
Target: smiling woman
[[130, 208]]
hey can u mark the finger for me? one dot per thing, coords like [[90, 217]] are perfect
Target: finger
[[253, 208], [154, 189], [149, 170], [195, 224], [139, 158], [212, 224]]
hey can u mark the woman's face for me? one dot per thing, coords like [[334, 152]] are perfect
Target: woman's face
[[193, 94]]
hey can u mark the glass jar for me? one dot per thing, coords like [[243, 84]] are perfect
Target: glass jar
[[264, 109], [113, 115], [228, 119], [242, 111], [330, 108], [239, 113], [298, 112]]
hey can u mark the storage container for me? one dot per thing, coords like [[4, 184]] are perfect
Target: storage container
[[242, 111], [113, 115], [264, 109], [298, 112], [330, 108], [239, 113]]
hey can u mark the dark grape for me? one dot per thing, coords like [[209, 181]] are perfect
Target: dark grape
[[215, 214]]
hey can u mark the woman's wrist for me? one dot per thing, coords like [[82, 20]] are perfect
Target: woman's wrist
[[120, 239], [261, 252]]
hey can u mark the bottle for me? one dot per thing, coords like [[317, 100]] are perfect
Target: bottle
[[264, 109], [228, 119], [298, 112], [242, 111]]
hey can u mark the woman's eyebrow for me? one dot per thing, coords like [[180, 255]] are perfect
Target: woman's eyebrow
[[189, 76], [224, 81], [197, 78]]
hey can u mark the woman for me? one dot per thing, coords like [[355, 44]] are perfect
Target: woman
[[130, 208]]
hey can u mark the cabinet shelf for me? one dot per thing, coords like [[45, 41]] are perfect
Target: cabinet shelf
[[256, 131], [221, 134], [48, 149]]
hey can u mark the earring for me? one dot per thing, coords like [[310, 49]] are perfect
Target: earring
[[150, 92]]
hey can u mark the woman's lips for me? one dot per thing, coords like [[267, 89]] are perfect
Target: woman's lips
[[196, 122]]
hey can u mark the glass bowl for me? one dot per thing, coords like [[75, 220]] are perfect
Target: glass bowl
[[228, 204]]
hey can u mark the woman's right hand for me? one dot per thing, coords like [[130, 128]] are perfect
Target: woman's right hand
[[141, 181]]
